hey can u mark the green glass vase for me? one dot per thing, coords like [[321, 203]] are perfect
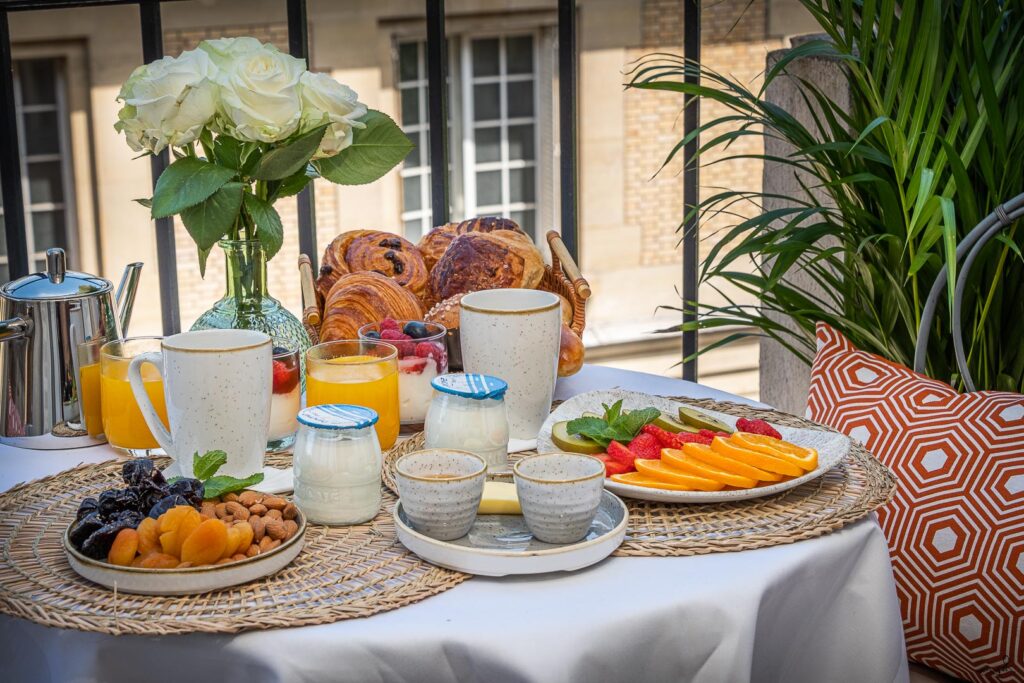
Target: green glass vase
[[247, 305]]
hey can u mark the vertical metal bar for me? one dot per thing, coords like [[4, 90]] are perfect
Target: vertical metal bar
[[691, 187], [10, 161], [437, 93], [167, 258], [298, 46], [567, 124]]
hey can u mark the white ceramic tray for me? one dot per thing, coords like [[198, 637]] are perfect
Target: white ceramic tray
[[832, 447], [501, 545], [186, 581]]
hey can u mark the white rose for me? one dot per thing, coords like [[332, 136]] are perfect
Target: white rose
[[259, 95], [225, 50], [325, 100], [168, 102]]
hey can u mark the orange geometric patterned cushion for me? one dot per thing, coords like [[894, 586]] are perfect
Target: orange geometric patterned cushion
[[956, 524]]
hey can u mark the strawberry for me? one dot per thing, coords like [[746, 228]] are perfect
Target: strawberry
[[412, 365], [689, 437], [645, 446], [388, 324], [757, 426], [612, 466], [619, 453], [285, 378]]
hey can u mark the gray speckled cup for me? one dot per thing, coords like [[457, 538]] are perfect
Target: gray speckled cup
[[559, 494], [441, 490]]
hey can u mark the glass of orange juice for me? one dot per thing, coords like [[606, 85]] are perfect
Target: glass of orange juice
[[89, 386], [123, 424], [361, 372]]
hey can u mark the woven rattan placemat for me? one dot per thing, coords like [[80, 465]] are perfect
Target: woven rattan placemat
[[342, 573], [843, 495]]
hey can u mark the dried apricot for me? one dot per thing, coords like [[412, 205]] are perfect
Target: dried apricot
[[247, 535], [206, 544], [159, 561], [172, 518], [124, 547], [168, 542], [149, 536], [234, 540], [189, 523]]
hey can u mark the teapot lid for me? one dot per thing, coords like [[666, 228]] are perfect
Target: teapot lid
[[56, 282]]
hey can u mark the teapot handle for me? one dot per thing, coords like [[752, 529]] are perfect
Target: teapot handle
[[153, 421]]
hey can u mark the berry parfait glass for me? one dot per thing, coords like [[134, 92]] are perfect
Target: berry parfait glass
[[285, 396], [422, 356]]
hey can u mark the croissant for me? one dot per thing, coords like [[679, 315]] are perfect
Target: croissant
[[357, 299], [570, 353], [433, 245], [481, 260], [372, 250]]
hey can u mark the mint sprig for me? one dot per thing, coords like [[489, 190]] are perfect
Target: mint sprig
[[615, 425], [205, 467]]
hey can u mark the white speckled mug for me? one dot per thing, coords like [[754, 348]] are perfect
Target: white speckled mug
[[217, 389], [440, 490], [514, 334], [559, 494]]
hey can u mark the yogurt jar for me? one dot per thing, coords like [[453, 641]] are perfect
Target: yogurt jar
[[468, 413], [337, 464]]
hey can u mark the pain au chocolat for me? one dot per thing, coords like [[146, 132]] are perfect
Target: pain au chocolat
[[374, 251]]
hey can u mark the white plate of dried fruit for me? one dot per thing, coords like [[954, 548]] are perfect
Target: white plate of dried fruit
[[182, 536], [657, 449]]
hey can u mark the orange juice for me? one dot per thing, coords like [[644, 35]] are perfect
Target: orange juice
[[123, 423], [366, 381], [89, 400]]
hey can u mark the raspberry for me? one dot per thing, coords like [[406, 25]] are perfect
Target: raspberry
[[427, 350], [645, 446], [389, 334], [405, 348], [388, 324], [689, 437], [757, 426], [665, 439]]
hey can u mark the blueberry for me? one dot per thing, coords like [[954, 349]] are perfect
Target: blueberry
[[416, 329], [278, 350], [371, 334]]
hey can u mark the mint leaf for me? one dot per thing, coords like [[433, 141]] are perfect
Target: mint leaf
[[221, 484], [205, 466], [611, 414], [633, 421]]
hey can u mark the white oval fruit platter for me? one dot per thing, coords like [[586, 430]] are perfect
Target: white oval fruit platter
[[658, 449]]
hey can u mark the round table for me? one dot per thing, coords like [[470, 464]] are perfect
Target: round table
[[819, 610]]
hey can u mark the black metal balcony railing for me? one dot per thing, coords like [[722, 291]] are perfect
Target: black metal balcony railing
[[298, 44]]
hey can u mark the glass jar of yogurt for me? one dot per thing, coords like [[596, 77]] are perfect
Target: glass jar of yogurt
[[285, 395], [337, 464], [468, 413]]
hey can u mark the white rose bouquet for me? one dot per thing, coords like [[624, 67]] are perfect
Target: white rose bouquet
[[248, 125]]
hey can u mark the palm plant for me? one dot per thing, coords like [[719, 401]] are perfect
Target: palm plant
[[932, 141]]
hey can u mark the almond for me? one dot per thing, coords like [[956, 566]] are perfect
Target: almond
[[229, 497], [227, 519], [248, 498], [276, 530], [253, 551], [258, 528], [265, 544], [208, 508], [221, 509], [290, 528], [238, 511], [224, 560], [274, 544], [273, 514], [257, 509], [238, 557], [290, 511], [274, 503]]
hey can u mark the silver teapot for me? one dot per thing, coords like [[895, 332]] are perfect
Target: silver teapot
[[44, 318]]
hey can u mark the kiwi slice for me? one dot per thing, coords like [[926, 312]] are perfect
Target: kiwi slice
[[696, 418], [573, 443], [670, 424]]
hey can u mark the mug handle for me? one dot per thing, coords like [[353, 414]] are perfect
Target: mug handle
[[156, 426]]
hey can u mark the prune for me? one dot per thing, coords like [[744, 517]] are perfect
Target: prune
[[149, 495], [118, 500], [97, 545], [138, 472], [84, 527], [88, 505], [166, 503], [189, 489]]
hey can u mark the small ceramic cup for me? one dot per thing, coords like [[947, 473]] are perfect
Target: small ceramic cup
[[559, 494], [441, 490]]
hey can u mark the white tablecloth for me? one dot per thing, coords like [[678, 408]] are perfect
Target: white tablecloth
[[823, 610]]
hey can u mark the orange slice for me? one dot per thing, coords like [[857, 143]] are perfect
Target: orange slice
[[637, 479], [681, 461], [761, 461], [706, 455], [804, 458], [656, 469]]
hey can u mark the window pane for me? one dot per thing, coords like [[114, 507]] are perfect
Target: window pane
[[41, 133], [413, 229], [410, 106], [486, 103], [48, 229], [519, 55], [521, 185], [520, 99], [37, 79], [520, 142], [488, 188], [408, 61], [525, 219], [411, 200], [44, 182], [413, 158], [485, 57], [488, 144]]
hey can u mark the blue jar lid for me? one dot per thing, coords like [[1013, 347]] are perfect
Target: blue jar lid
[[337, 416], [470, 385]]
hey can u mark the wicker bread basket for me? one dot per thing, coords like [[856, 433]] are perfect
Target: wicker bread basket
[[561, 277]]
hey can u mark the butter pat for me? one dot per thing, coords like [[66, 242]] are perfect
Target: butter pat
[[499, 499]]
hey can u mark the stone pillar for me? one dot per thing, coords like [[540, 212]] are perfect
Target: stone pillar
[[785, 378]]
